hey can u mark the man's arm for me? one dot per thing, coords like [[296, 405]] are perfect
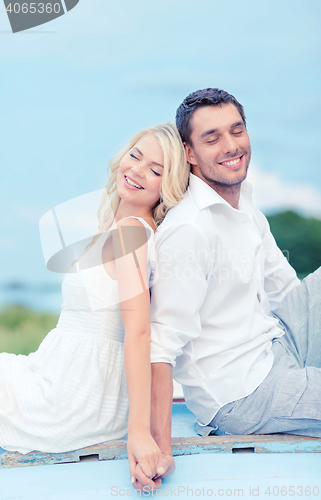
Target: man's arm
[[177, 297], [280, 277], [161, 414]]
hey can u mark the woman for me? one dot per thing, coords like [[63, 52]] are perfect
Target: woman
[[72, 391]]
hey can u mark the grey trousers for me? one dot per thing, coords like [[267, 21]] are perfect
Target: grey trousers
[[289, 399]]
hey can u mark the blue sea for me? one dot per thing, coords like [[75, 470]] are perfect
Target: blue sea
[[37, 296]]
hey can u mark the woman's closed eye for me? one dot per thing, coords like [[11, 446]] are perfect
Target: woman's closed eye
[[154, 171], [133, 156]]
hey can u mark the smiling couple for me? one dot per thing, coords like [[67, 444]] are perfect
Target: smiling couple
[[228, 316]]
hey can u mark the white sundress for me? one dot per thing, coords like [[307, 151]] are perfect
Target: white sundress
[[72, 391]]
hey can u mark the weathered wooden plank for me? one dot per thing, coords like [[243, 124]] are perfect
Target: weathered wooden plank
[[116, 450], [111, 450], [255, 443]]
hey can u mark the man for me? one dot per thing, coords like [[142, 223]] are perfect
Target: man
[[229, 315]]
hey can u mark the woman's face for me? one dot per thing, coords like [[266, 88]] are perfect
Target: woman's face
[[140, 173]]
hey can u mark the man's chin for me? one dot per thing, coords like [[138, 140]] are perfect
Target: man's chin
[[224, 179], [235, 180]]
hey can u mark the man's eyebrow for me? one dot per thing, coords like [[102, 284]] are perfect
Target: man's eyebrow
[[209, 132], [215, 130], [237, 124], [153, 162]]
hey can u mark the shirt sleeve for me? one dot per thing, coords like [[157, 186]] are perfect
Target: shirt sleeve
[[179, 290], [279, 277]]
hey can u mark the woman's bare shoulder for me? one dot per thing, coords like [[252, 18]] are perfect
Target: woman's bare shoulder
[[130, 222]]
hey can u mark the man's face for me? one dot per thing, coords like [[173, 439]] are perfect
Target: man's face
[[220, 152]]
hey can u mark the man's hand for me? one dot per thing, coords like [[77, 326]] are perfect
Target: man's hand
[[165, 468]]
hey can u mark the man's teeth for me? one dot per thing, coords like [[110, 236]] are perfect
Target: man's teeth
[[232, 162], [131, 183]]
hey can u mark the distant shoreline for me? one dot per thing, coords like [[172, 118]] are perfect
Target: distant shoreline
[[42, 297]]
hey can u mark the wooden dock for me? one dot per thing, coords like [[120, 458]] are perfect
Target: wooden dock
[[246, 466]]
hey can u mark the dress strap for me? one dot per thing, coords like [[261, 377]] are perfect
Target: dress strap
[[148, 226]]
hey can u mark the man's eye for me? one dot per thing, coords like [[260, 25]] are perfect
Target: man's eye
[[156, 173], [239, 132], [212, 141]]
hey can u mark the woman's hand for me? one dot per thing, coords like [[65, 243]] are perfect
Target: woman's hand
[[165, 468], [143, 451]]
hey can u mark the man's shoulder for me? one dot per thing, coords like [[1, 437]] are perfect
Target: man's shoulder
[[184, 223], [185, 214], [261, 221], [258, 217]]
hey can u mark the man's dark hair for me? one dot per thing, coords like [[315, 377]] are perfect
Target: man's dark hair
[[199, 99]]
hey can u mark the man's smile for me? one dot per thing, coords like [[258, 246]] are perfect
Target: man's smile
[[233, 163]]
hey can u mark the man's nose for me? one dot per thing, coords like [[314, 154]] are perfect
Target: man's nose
[[229, 144]]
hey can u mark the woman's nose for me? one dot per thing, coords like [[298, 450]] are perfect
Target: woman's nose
[[137, 169]]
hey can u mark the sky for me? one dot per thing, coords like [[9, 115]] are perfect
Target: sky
[[75, 89]]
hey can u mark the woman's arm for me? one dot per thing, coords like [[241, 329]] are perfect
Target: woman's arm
[[131, 270]]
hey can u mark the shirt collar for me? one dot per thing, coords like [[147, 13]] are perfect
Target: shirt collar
[[205, 196]]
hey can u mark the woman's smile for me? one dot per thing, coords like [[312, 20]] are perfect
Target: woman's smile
[[132, 184]]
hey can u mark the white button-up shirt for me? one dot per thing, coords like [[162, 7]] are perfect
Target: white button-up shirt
[[220, 276]]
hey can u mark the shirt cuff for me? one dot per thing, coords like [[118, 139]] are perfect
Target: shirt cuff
[[159, 355]]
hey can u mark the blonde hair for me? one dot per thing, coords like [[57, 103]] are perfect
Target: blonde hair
[[173, 185], [174, 180]]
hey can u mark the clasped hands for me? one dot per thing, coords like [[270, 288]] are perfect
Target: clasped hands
[[147, 464]]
